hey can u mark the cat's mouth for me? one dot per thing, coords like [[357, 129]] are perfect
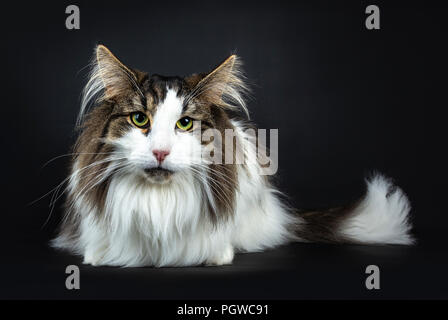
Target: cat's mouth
[[158, 174]]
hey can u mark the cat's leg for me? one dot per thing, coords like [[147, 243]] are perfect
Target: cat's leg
[[262, 224], [95, 242]]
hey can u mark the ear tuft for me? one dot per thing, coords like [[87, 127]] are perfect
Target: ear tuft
[[109, 79], [117, 78], [224, 86]]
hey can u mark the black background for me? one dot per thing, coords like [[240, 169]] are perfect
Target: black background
[[346, 101]]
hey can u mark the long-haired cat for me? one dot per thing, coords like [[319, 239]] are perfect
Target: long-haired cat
[[141, 194]]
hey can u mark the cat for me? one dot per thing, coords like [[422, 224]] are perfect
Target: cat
[[140, 194]]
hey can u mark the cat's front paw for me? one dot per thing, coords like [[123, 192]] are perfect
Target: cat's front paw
[[222, 258], [92, 258]]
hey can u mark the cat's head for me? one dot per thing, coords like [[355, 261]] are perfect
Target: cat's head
[[151, 125]]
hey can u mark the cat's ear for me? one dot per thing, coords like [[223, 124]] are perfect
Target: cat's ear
[[116, 78], [224, 86]]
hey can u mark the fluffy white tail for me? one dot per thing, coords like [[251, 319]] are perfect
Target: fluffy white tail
[[380, 217]]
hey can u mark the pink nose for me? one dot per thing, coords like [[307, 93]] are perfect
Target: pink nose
[[160, 155]]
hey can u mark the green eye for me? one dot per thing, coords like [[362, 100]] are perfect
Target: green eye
[[140, 119], [185, 124]]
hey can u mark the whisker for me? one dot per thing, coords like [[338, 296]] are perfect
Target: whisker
[[78, 153], [56, 191]]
